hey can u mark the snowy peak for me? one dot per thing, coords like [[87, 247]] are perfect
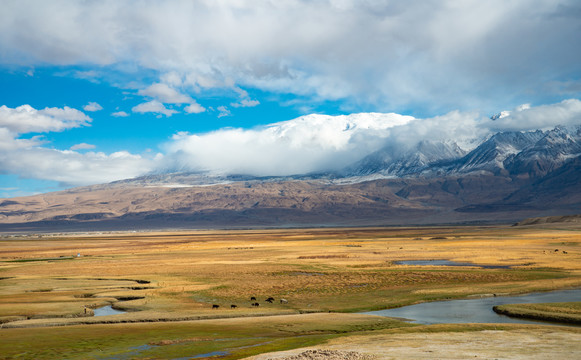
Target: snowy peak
[[548, 154], [500, 115], [516, 153], [391, 161], [491, 154]]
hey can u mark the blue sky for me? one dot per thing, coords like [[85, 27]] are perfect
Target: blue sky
[[97, 91]]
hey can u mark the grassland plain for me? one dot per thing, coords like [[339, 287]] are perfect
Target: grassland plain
[[168, 282]]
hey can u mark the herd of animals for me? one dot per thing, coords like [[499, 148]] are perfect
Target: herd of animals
[[254, 304]]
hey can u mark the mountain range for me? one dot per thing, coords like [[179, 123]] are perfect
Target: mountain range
[[505, 177]]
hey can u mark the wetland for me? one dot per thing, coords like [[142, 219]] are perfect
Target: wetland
[[187, 289]]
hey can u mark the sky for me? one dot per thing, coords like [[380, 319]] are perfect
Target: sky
[[98, 91]]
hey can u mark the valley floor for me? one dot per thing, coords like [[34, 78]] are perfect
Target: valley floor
[[178, 289]]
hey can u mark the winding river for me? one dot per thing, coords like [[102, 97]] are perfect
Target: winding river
[[475, 310]]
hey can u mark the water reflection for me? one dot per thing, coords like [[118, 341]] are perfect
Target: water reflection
[[107, 310]]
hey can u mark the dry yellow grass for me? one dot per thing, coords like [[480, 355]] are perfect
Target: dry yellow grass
[[181, 274], [177, 276]]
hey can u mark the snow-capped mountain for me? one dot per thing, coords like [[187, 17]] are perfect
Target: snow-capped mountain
[[492, 153], [515, 153], [507, 177], [549, 153], [532, 153], [392, 163]]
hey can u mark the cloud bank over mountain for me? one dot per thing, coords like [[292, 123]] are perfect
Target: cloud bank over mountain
[[318, 143], [311, 143]]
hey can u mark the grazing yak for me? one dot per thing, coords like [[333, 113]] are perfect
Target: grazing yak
[[253, 298], [283, 301], [233, 306], [214, 306], [269, 300], [255, 304]]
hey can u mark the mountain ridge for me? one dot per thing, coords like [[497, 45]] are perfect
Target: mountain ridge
[[508, 177]]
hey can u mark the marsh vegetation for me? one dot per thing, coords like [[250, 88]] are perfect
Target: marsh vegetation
[[168, 284]]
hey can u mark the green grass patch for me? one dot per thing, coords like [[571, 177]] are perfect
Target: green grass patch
[[231, 338]]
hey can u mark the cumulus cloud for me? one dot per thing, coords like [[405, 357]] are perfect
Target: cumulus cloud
[[83, 146], [245, 103], [194, 108], [165, 94], [396, 55], [26, 119], [155, 107], [32, 158], [120, 114], [92, 106], [73, 168]]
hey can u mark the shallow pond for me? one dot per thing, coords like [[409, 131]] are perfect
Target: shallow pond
[[107, 310], [475, 310]]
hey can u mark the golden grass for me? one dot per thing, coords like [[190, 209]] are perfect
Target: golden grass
[[182, 274], [178, 276]]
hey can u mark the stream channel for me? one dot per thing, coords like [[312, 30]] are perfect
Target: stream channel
[[477, 310]]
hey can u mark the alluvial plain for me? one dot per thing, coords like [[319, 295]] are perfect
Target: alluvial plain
[[170, 283]]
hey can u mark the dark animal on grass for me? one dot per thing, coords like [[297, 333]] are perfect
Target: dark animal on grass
[[215, 306], [233, 306], [269, 300], [253, 298], [255, 304]]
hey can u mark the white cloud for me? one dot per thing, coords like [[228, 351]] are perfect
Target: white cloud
[[246, 103], [83, 146], [26, 119], [525, 117], [223, 111], [165, 94], [153, 106], [73, 168], [314, 142], [92, 106], [31, 158], [309, 143], [306, 144], [172, 78], [120, 114], [396, 55], [194, 108]]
